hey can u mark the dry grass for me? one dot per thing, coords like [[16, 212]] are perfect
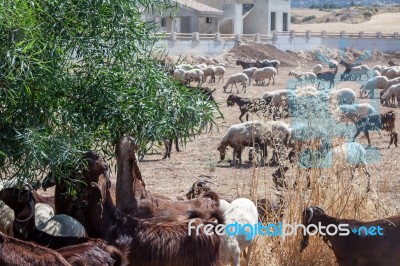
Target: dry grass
[[384, 22]]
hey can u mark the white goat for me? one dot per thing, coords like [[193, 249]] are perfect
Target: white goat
[[265, 73], [241, 211], [373, 84], [237, 78]]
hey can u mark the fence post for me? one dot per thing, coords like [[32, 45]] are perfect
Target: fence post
[[379, 34], [361, 34], [292, 34], [342, 34], [257, 37], [173, 36], [308, 33], [196, 36], [218, 36], [238, 37], [396, 35], [323, 34]]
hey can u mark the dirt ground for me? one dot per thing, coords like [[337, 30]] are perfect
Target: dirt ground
[[199, 158]]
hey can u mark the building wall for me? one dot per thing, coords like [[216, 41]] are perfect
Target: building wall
[[259, 19]]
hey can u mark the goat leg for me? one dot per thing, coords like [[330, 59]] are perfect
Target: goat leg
[[367, 136]]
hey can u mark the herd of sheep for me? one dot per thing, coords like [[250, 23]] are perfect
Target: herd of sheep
[[127, 224]]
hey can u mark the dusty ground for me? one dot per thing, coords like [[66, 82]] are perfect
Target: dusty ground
[[199, 158]]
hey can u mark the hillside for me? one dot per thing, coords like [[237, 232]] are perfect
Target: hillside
[[341, 3]]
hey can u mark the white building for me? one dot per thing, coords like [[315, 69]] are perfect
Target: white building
[[226, 16]]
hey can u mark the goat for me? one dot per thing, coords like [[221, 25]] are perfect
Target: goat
[[133, 198], [93, 253], [362, 247], [17, 252], [348, 66], [377, 122], [199, 188], [326, 76], [155, 241], [246, 65], [24, 228], [247, 105]]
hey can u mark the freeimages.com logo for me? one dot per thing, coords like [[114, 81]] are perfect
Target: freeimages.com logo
[[249, 231]]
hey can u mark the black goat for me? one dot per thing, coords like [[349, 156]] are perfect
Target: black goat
[[367, 243], [247, 105], [327, 76], [246, 65]]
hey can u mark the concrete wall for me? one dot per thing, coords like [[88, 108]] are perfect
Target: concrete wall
[[213, 48], [202, 47], [304, 44]]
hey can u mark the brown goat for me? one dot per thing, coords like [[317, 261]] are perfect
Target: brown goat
[[133, 198], [17, 252], [93, 253], [377, 122], [358, 248], [156, 241]]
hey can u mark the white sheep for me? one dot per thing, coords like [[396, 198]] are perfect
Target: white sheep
[[333, 64], [240, 136], [241, 211], [390, 83], [279, 100], [348, 156], [63, 225], [317, 68], [185, 67], [223, 205], [264, 73], [303, 77], [392, 92], [250, 72], [179, 73], [355, 72], [376, 73], [220, 72], [237, 78], [209, 71], [373, 84], [378, 68], [392, 73], [194, 74], [342, 96], [43, 213], [355, 112], [276, 134]]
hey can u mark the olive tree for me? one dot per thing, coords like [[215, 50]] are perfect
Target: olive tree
[[77, 74]]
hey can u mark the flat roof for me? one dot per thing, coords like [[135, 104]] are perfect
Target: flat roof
[[199, 7]]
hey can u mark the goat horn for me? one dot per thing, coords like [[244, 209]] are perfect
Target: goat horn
[[311, 215], [32, 208], [95, 185]]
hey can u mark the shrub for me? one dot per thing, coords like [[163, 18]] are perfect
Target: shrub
[[308, 18]]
